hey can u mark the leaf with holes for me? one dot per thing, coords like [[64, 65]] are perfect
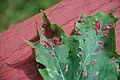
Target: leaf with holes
[[97, 43], [87, 54]]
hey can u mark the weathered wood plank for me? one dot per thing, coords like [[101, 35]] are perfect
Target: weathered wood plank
[[16, 57]]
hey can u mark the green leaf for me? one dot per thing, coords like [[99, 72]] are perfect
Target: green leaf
[[97, 47], [88, 54], [87, 28]]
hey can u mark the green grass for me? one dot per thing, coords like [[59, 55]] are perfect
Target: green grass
[[14, 11]]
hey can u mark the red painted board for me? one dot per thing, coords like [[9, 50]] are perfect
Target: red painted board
[[17, 58]]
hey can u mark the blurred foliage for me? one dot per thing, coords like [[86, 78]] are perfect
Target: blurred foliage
[[14, 11]]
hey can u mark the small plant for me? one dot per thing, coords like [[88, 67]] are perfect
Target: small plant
[[89, 53]]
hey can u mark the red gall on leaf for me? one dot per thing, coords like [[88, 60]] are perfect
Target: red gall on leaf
[[56, 41], [103, 36], [100, 43], [81, 53], [84, 74], [105, 31], [78, 33], [97, 27], [94, 61], [97, 24], [110, 25], [45, 45], [52, 53], [44, 25], [102, 48], [66, 68], [41, 43], [47, 42], [44, 33]]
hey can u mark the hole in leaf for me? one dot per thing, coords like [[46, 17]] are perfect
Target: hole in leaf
[[70, 54], [40, 66], [79, 49]]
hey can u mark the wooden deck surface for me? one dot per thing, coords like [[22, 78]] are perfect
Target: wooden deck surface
[[17, 58]]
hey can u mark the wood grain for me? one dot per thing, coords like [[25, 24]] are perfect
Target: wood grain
[[17, 58]]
